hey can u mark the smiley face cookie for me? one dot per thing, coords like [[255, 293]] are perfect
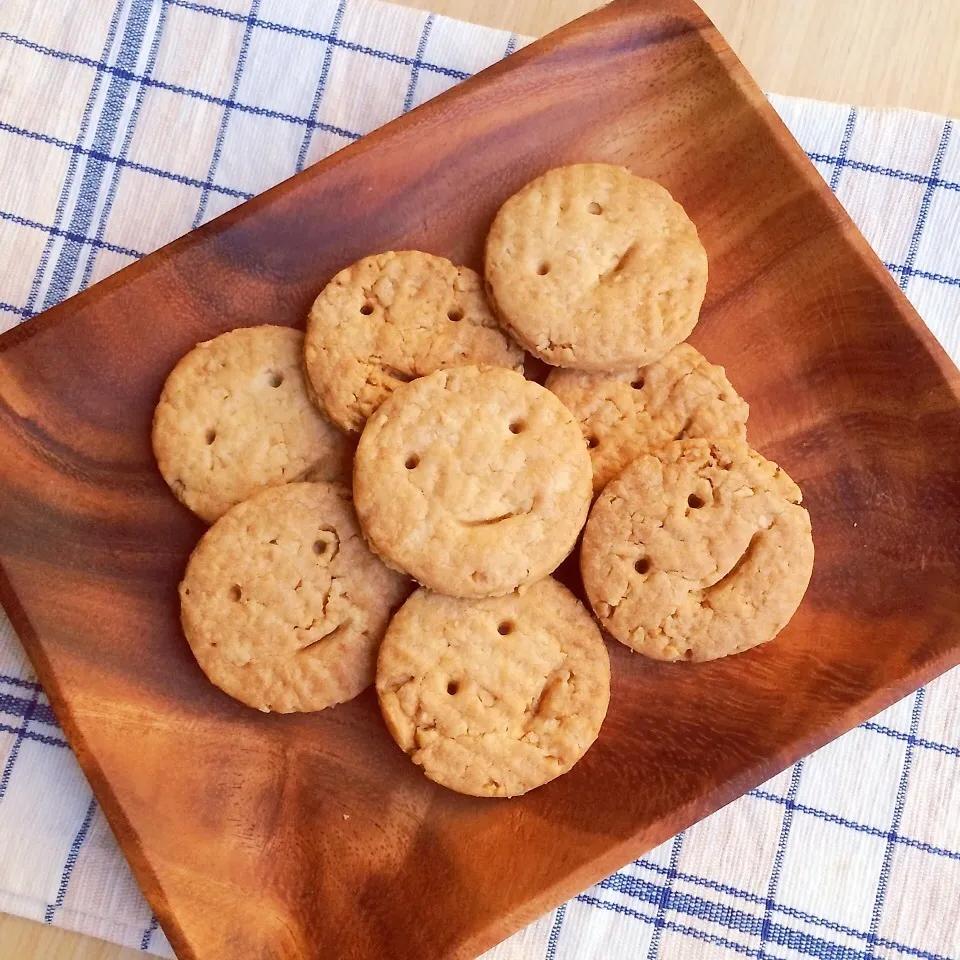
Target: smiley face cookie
[[473, 480], [624, 414], [497, 696], [594, 268], [235, 418], [283, 603], [392, 318], [697, 552]]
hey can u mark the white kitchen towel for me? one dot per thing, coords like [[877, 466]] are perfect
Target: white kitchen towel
[[125, 123]]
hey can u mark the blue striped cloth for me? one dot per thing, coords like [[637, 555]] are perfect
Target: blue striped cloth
[[125, 123]]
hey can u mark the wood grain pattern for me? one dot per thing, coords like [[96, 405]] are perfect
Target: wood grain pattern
[[311, 836]]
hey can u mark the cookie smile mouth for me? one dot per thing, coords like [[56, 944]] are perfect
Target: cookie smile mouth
[[492, 520], [337, 631]]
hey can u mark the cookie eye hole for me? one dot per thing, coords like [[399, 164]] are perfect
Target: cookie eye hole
[[456, 315], [367, 309], [642, 565], [276, 379], [211, 436], [593, 443], [319, 547], [694, 502], [453, 687], [595, 208], [235, 593], [518, 426], [638, 383], [413, 461], [505, 628], [543, 269]]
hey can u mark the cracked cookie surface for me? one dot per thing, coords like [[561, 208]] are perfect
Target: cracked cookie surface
[[594, 268], [497, 696], [391, 318], [473, 480], [282, 602], [235, 418], [700, 551], [622, 415]]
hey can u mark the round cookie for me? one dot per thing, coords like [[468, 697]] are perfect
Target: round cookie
[[497, 696], [625, 414], [697, 552], [473, 480], [391, 318], [283, 603], [593, 268], [234, 418]]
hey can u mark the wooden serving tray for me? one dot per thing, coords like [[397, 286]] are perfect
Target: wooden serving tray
[[313, 836]]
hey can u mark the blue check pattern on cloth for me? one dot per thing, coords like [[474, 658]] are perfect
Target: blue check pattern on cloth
[[124, 124]]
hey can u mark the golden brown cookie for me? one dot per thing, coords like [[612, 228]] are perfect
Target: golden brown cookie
[[392, 318], [625, 414], [593, 268], [497, 696], [697, 552], [283, 603], [473, 480], [234, 418]]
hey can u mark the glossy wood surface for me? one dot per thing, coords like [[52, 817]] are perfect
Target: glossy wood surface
[[313, 836]]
